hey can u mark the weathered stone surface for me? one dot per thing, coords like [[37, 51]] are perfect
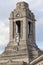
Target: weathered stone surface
[[37, 61], [21, 49]]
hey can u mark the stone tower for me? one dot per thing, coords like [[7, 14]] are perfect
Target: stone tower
[[22, 46]]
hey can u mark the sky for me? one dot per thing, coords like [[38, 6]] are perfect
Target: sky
[[6, 6]]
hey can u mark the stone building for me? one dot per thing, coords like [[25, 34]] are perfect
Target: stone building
[[22, 48]]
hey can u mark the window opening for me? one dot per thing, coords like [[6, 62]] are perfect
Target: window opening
[[29, 25], [18, 27]]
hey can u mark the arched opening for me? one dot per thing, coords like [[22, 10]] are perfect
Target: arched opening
[[29, 27], [18, 26]]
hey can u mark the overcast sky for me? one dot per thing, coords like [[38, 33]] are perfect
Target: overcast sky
[[6, 6]]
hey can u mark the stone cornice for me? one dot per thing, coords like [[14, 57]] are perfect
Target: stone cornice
[[36, 60]]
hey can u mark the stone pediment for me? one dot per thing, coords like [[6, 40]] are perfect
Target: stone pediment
[[22, 10], [37, 61], [19, 13]]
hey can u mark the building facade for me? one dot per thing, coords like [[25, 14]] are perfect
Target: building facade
[[22, 48]]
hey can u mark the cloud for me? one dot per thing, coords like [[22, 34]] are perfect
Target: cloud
[[40, 45], [4, 35], [35, 4], [41, 10], [2, 48], [40, 22], [4, 32], [39, 32]]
